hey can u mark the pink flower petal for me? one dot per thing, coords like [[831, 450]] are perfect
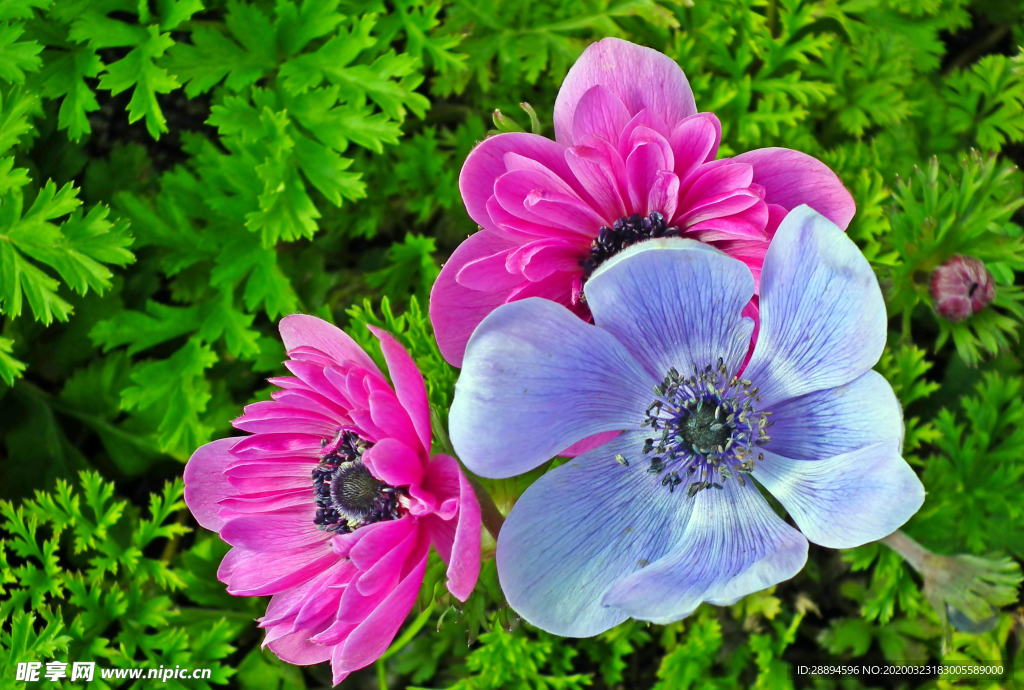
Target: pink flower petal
[[409, 386], [664, 194], [456, 310], [281, 531], [367, 642], [464, 561], [253, 574], [588, 444], [394, 463], [294, 648], [538, 260], [206, 483], [640, 77], [599, 167], [302, 330], [601, 113], [695, 142], [391, 417], [378, 539], [713, 180], [486, 163], [791, 178]]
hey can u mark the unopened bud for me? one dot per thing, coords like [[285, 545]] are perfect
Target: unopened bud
[[960, 287]]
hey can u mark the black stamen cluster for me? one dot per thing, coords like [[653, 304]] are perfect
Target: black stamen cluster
[[347, 495], [623, 233]]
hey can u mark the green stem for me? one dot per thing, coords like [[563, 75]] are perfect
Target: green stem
[[912, 552]]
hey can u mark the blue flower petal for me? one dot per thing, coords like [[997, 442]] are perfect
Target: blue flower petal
[[847, 500], [674, 303], [836, 420], [579, 529], [823, 319], [535, 380], [734, 544]]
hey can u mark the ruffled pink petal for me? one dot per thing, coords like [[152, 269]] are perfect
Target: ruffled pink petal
[[378, 539], [645, 161], [206, 483], [253, 574], [384, 574], [266, 502], [644, 119], [664, 194], [601, 170], [489, 273], [513, 229], [409, 386], [271, 416], [486, 163], [283, 530], [464, 560], [791, 178], [601, 113], [640, 77], [371, 638], [394, 463], [695, 142], [391, 417], [261, 446], [712, 180], [295, 648], [301, 330], [538, 260]]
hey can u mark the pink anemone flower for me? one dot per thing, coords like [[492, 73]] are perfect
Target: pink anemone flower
[[632, 159], [333, 501]]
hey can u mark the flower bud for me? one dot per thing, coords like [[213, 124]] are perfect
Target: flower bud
[[960, 287]]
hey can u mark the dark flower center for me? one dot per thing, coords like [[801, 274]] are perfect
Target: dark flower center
[[709, 429], [623, 233], [347, 495]]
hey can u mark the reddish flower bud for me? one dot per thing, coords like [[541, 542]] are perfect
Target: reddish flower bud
[[960, 287]]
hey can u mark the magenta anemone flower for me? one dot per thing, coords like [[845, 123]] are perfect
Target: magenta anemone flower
[[632, 159], [667, 514], [333, 501]]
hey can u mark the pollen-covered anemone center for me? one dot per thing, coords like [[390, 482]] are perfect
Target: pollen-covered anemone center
[[709, 429], [623, 233], [347, 495]]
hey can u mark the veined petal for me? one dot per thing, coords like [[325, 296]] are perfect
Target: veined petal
[[820, 425], [537, 379], [847, 500], [640, 77], [674, 303], [823, 320], [581, 528], [734, 544]]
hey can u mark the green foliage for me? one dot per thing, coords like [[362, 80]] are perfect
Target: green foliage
[[79, 585], [177, 175]]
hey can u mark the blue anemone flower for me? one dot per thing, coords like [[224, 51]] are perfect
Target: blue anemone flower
[[671, 513]]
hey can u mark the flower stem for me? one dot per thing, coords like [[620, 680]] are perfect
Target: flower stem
[[912, 552]]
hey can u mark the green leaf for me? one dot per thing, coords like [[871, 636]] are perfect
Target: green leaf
[[77, 250], [17, 58], [10, 368], [137, 69], [64, 77], [177, 391], [213, 55]]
